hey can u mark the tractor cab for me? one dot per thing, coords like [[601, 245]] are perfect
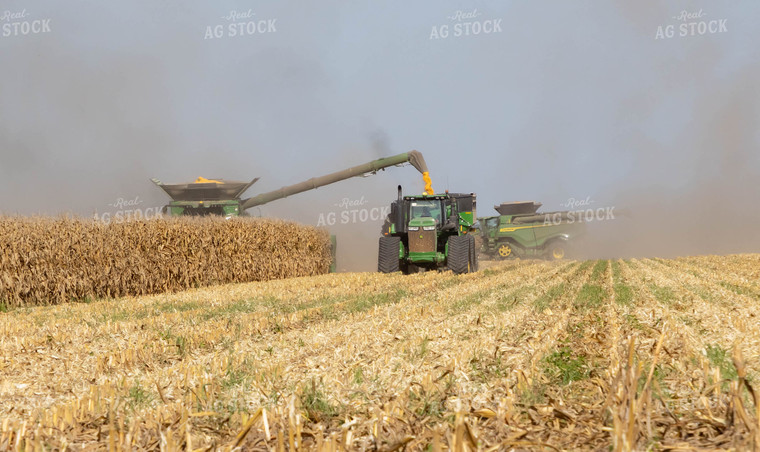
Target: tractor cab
[[426, 208]]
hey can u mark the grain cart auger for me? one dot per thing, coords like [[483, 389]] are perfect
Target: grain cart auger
[[223, 197], [429, 231]]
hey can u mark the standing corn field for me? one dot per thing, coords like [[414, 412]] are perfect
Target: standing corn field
[[51, 261]]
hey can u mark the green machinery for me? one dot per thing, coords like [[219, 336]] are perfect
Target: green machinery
[[521, 231], [223, 197], [429, 231]]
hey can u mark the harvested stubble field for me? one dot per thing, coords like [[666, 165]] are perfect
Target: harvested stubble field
[[526, 355], [57, 260]]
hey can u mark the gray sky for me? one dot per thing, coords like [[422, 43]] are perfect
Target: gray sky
[[571, 99]]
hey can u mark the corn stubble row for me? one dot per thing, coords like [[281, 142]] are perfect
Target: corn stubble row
[[56, 260], [526, 355]]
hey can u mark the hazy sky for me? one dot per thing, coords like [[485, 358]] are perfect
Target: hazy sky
[[566, 99]]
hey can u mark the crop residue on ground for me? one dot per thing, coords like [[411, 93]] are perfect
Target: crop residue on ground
[[630, 355]]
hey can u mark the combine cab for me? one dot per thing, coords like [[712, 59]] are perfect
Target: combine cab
[[429, 232]]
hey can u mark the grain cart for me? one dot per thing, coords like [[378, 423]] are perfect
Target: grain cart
[[223, 197], [429, 231], [521, 231]]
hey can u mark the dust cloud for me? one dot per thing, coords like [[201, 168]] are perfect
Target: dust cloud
[[574, 101]]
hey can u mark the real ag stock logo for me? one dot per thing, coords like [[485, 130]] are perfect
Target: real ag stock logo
[[581, 212], [128, 209], [465, 23], [239, 24], [691, 23], [21, 23], [352, 211]]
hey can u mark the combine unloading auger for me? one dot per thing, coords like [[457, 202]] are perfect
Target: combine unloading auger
[[223, 197]]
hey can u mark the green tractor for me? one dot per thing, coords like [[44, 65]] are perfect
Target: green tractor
[[428, 232], [521, 231]]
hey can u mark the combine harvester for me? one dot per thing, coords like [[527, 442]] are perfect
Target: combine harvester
[[521, 231], [224, 197]]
